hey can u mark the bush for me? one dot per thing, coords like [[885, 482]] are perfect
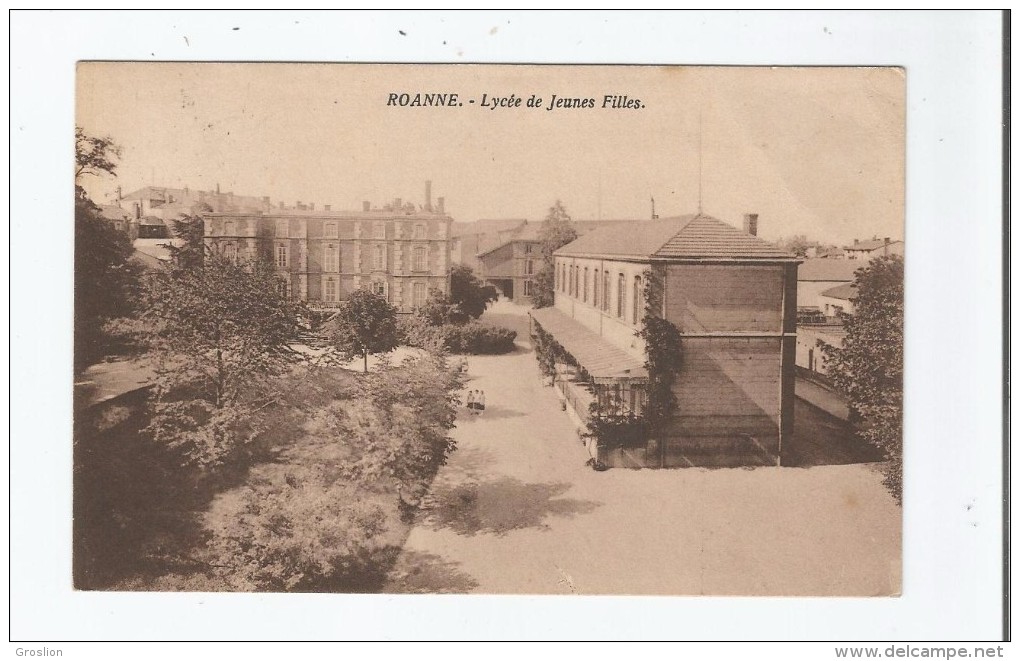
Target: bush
[[472, 338]]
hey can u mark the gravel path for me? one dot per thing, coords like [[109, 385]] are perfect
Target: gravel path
[[517, 511]]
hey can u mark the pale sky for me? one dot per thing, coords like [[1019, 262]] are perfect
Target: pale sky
[[815, 151]]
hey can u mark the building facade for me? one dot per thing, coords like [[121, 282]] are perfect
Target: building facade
[[732, 296], [400, 252], [512, 265]]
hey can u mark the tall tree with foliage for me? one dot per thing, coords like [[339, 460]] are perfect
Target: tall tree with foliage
[[190, 254], [557, 230], [219, 334], [868, 368], [366, 324], [471, 294], [104, 278]]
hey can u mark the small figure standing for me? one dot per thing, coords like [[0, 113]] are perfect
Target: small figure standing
[[480, 402], [471, 401]]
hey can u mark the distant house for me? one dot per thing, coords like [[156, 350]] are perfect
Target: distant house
[[817, 275], [875, 247], [119, 217], [170, 203], [732, 296], [512, 265], [468, 240], [838, 299]]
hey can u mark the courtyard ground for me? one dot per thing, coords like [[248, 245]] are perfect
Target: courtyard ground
[[517, 511]]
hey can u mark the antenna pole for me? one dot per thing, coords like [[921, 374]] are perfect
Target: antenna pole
[[699, 163]]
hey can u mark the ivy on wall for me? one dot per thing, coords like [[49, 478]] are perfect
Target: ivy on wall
[[663, 352]]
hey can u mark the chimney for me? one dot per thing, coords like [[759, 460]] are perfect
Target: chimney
[[440, 203], [397, 203], [217, 188], [328, 207], [366, 206], [120, 195], [428, 195], [187, 192], [751, 224], [856, 241], [311, 205], [885, 247]]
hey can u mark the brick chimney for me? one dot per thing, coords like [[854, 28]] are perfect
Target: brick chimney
[[440, 204], [428, 195], [328, 207], [751, 224]]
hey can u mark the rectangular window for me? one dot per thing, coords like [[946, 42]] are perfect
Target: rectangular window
[[228, 228], [332, 263], [605, 291], [230, 252], [379, 288], [637, 300], [595, 294], [527, 248], [584, 290], [380, 230], [621, 288], [527, 287], [281, 257], [529, 267], [419, 231], [282, 229], [420, 293], [331, 231], [330, 295], [421, 262], [379, 258]]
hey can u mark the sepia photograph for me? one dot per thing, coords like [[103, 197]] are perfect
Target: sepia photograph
[[496, 329]]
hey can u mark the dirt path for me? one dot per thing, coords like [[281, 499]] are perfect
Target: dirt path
[[517, 511]]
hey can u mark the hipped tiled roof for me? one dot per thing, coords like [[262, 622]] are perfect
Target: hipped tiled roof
[[692, 236]]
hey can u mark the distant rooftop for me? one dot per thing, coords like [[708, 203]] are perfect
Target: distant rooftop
[[844, 292], [871, 244]]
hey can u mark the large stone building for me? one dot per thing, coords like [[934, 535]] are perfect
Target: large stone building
[[733, 298], [512, 265], [400, 251]]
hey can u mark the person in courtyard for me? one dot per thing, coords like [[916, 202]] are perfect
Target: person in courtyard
[[480, 402], [471, 401]]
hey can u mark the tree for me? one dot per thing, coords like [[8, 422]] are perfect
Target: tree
[[470, 293], [557, 231], [104, 278], [93, 156], [439, 310], [868, 368], [797, 244], [366, 324], [191, 253], [219, 335]]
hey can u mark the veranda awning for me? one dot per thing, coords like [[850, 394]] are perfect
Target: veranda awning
[[603, 360]]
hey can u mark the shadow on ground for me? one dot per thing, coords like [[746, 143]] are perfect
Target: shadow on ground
[[499, 506], [821, 439], [427, 573]]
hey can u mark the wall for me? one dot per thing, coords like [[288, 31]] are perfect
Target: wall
[[706, 298], [809, 291], [607, 324]]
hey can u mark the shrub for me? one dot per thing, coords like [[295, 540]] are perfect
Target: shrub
[[472, 338]]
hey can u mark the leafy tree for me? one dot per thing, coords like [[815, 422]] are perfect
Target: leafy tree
[[397, 426], [191, 253], [868, 368], [104, 278], [797, 244], [439, 310], [557, 231], [366, 324], [93, 156], [469, 292], [219, 335]]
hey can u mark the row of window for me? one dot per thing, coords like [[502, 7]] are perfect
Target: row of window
[[330, 230], [331, 291], [578, 282], [419, 257]]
